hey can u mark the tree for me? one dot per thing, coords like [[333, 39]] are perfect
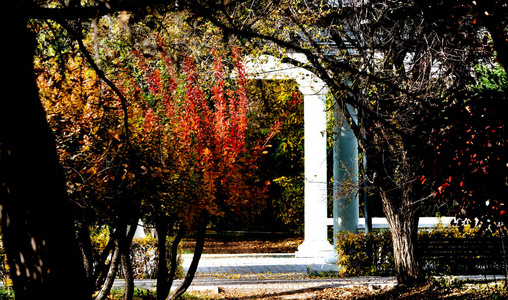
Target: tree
[[181, 158], [300, 26], [281, 102], [468, 18], [207, 168], [275, 105], [103, 174], [392, 61], [36, 215]]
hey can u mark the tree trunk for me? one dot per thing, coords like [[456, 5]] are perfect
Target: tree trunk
[[499, 37], [36, 215], [113, 268], [162, 266], [174, 256], [128, 272], [165, 280], [403, 219], [101, 265], [128, 276], [121, 254], [198, 250], [85, 246]]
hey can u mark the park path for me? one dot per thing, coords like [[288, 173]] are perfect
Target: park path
[[263, 273]]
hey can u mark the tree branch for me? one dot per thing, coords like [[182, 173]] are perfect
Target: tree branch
[[88, 12]]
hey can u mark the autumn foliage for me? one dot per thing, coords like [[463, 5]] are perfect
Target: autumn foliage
[[204, 156], [182, 160], [471, 163]]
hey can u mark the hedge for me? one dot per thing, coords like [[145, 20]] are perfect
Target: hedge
[[362, 254], [459, 252]]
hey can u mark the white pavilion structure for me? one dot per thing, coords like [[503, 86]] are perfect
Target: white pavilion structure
[[314, 91], [345, 207]]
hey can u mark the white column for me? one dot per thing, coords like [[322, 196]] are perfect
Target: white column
[[315, 242], [314, 90]]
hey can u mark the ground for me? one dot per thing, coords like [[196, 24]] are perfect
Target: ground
[[432, 289], [235, 243], [258, 243]]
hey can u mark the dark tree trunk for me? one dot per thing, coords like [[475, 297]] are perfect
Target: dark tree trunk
[[165, 280], [102, 267], [198, 250], [499, 38], [162, 266], [174, 256], [121, 255], [36, 215], [85, 245], [403, 217]]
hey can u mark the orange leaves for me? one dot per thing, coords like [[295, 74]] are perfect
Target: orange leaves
[[187, 151], [204, 132]]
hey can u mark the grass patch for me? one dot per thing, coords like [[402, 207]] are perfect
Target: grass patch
[[146, 294], [314, 274]]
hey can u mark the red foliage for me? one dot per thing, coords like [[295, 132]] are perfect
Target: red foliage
[[207, 163], [472, 161]]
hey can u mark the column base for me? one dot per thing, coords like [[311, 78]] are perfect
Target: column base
[[331, 258], [318, 249]]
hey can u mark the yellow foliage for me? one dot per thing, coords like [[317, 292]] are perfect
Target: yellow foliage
[[99, 238]]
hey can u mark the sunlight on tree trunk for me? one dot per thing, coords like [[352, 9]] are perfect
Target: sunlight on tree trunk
[[36, 216], [403, 222]]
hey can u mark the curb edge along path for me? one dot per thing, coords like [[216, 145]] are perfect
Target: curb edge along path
[[271, 272]]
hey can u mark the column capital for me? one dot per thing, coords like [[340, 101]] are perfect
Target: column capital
[[270, 67]]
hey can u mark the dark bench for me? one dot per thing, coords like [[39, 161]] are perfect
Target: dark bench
[[463, 256]]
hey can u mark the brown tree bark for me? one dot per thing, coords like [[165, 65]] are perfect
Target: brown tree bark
[[128, 276], [120, 256], [174, 257], [128, 272], [36, 215], [85, 246], [403, 217], [113, 269]]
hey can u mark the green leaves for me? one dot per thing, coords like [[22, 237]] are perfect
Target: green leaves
[[490, 79]]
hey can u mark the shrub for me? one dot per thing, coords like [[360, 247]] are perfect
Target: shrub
[[6, 294], [365, 254], [464, 250], [371, 254], [451, 231], [144, 258], [99, 237], [143, 254]]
